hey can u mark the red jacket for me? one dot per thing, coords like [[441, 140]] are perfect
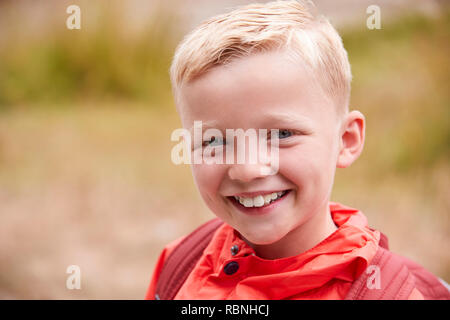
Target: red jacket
[[325, 271]]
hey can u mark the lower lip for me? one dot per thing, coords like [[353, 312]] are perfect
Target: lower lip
[[253, 211]]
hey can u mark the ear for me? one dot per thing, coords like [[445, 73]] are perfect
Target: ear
[[351, 138]]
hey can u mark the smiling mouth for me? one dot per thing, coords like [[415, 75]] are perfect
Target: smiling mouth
[[260, 200]]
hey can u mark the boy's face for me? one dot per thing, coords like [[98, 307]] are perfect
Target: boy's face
[[266, 91]]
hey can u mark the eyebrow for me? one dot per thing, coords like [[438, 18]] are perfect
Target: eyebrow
[[210, 124], [284, 120], [290, 120]]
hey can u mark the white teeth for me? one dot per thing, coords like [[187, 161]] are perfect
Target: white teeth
[[248, 202], [259, 200]]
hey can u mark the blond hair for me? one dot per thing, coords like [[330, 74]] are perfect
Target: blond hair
[[258, 28]]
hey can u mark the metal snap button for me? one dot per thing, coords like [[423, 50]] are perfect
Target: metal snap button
[[231, 268], [234, 250]]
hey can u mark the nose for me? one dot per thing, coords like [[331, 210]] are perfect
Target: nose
[[265, 162], [247, 172]]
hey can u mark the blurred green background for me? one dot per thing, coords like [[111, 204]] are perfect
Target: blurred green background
[[86, 116]]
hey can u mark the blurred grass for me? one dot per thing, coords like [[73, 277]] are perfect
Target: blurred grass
[[404, 70], [97, 63], [85, 170]]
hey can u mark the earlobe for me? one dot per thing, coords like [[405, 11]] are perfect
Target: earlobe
[[352, 139]]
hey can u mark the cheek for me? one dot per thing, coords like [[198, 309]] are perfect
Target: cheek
[[309, 167], [208, 179]]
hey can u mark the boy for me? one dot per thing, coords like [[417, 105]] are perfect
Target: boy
[[277, 66]]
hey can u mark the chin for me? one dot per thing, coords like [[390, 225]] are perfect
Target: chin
[[260, 238]]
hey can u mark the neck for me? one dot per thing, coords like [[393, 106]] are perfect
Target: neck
[[304, 237]]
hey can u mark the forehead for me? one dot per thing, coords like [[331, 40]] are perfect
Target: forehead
[[254, 89]]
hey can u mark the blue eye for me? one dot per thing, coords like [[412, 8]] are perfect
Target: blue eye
[[284, 133], [213, 142]]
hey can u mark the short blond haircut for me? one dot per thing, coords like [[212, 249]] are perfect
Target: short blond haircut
[[259, 28]]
